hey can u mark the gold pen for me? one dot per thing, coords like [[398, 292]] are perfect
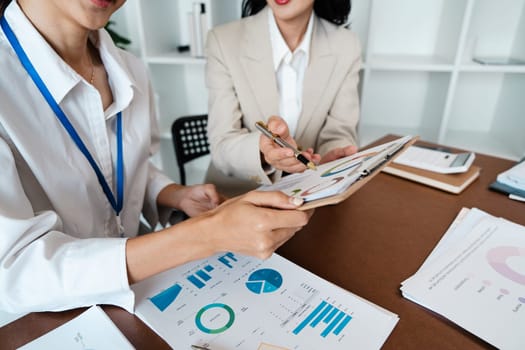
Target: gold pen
[[261, 126], [197, 347]]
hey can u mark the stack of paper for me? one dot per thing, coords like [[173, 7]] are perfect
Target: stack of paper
[[230, 301], [93, 329], [475, 277], [512, 181]]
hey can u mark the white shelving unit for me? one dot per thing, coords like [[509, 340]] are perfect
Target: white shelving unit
[[418, 76], [157, 28]]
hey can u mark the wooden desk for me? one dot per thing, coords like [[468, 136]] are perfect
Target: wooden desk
[[367, 244]]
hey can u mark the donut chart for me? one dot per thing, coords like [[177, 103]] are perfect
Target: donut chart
[[497, 259], [224, 310]]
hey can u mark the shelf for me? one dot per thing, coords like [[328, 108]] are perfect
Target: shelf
[[496, 29], [175, 57], [494, 144], [369, 133], [412, 100], [416, 28], [410, 63], [481, 68], [490, 105]]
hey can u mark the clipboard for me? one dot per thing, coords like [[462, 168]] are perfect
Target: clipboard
[[335, 181]]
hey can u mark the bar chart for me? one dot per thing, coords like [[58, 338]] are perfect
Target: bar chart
[[326, 315]]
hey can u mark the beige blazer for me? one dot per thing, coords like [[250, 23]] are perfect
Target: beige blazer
[[242, 89]]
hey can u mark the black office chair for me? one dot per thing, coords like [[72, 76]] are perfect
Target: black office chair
[[190, 140]]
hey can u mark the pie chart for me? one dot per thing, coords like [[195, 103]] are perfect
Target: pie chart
[[264, 281]]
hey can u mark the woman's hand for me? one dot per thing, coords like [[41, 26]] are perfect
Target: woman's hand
[[279, 157], [193, 200], [255, 224], [337, 153]]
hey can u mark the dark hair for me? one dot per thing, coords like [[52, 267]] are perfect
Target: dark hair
[[335, 11], [3, 5]]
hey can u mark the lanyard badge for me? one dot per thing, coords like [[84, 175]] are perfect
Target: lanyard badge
[[117, 202]]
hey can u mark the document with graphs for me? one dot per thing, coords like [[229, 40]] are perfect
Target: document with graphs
[[229, 301], [92, 329], [476, 278]]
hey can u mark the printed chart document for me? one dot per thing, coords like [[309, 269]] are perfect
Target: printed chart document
[[231, 302], [335, 181], [476, 278], [92, 329]]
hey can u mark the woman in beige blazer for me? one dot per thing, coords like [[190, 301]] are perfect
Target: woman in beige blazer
[[244, 87]]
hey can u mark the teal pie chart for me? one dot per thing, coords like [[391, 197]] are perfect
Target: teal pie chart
[[264, 281]]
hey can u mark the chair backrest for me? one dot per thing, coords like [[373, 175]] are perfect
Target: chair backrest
[[190, 140]]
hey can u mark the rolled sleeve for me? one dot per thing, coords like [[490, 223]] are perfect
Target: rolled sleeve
[[154, 214]]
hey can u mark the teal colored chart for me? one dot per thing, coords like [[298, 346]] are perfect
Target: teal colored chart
[[217, 316], [264, 281]]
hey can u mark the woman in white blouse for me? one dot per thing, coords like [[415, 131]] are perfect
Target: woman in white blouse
[[289, 58], [77, 129]]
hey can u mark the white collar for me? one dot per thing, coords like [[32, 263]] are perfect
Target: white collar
[[58, 76], [280, 48]]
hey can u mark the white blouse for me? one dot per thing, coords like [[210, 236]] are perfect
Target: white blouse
[[290, 68], [60, 247]]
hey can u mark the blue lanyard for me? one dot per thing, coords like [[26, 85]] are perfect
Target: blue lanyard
[[116, 204]]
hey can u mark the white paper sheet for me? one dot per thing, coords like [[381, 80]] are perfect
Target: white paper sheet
[[231, 302], [92, 329], [477, 279], [514, 177]]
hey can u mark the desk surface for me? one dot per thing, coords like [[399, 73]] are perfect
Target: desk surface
[[367, 244]]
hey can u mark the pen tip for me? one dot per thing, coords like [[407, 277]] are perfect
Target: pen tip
[[311, 165]]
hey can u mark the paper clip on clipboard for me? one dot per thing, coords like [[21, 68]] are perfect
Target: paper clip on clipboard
[[369, 165], [363, 173]]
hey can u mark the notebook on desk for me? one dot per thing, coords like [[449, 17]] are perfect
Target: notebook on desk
[[511, 181], [453, 183], [335, 181]]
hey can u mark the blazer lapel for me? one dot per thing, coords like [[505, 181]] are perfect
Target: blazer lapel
[[319, 71], [257, 62]]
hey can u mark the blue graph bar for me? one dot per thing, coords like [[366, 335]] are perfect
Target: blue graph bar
[[196, 282], [166, 297], [309, 318], [321, 316], [335, 319], [205, 277], [332, 314], [224, 259], [342, 325], [332, 325], [208, 268]]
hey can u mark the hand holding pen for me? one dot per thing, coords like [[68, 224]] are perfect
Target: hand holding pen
[[279, 150]]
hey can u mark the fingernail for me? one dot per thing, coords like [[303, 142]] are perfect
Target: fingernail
[[296, 201]]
